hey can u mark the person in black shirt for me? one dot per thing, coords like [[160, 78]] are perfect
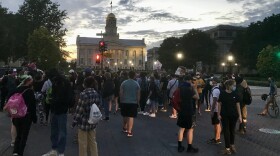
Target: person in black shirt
[[229, 112], [163, 88], [186, 114]]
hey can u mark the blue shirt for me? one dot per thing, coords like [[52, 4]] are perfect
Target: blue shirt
[[130, 90]]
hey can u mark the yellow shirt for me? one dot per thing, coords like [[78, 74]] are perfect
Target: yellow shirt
[[200, 85]]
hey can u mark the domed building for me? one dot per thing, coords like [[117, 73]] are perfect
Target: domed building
[[121, 53]]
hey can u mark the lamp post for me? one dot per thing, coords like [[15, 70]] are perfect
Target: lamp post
[[237, 67], [179, 57], [230, 59], [223, 65], [116, 66]]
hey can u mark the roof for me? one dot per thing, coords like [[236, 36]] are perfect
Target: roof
[[124, 42], [111, 15]]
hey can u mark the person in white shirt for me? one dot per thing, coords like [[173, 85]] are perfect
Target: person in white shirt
[[215, 93], [171, 88]]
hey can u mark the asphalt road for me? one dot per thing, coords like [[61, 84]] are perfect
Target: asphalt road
[[157, 136]]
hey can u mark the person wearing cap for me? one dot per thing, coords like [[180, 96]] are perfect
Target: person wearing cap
[[215, 93], [23, 125]]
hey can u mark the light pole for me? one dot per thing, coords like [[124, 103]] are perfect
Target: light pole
[[179, 57], [230, 59], [237, 67], [223, 65], [116, 66]]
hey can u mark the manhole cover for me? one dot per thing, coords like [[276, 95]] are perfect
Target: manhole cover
[[269, 131]]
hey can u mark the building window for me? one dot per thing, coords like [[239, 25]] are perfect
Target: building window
[[127, 53], [89, 61], [140, 62], [82, 61], [134, 53], [125, 62], [89, 52], [229, 33]]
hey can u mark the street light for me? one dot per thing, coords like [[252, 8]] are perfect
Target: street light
[[230, 59], [223, 65], [179, 56]]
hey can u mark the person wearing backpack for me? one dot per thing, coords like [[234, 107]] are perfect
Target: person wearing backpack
[[63, 98], [23, 124], [86, 131], [241, 85], [143, 83], [186, 114]]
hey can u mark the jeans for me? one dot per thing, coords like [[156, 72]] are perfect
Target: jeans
[[143, 100], [87, 142], [106, 102], [229, 124], [22, 127], [59, 132]]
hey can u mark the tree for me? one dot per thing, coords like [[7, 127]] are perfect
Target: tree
[[198, 46], [268, 63], [167, 53], [257, 36], [43, 48], [44, 13]]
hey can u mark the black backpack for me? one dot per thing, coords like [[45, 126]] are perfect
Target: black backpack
[[247, 96]]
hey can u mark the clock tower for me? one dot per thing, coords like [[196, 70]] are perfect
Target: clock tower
[[111, 27]]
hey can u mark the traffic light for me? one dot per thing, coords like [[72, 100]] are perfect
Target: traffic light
[[97, 60], [101, 46], [105, 47]]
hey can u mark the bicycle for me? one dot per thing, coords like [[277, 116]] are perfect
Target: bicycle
[[273, 108]]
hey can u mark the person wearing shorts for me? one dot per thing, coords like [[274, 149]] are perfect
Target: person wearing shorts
[[215, 93], [186, 115], [129, 97]]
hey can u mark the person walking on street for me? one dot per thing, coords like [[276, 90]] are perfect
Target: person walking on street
[[153, 97], [229, 112], [86, 131], [214, 96], [186, 115], [62, 99], [108, 94], [200, 85], [23, 124], [143, 83], [129, 97]]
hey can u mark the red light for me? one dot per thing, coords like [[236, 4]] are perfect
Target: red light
[[101, 43], [97, 57]]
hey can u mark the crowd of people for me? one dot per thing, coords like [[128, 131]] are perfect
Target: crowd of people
[[130, 92]]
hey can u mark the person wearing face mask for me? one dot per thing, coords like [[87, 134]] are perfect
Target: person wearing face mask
[[23, 125], [214, 96], [272, 93], [229, 112]]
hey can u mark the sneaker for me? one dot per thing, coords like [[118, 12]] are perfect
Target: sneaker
[[232, 149], [226, 152], [192, 150], [146, 113], [14, 154], [140, 112], [12, 144], [124, 130], [51, 153], [181, 149], [61, 155], [153, 115], [129, 134], [163, 110], [207, 110], [173, 117]]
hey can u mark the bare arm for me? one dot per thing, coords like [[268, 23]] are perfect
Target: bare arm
[[239, 112]]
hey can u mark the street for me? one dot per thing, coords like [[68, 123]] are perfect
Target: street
[[157, 136]]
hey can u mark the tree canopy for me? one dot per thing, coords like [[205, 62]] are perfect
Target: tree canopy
[[258, 35], [268, 63], [194, 46]]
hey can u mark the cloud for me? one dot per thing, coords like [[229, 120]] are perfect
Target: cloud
[[235, 1], [165, 16]]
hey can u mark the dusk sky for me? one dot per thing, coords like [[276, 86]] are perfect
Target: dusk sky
[[155, 20]]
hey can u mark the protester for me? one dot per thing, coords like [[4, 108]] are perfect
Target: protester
[[200, 84], [108, 94], [23, 124], [163, 89], [143, 83], [229, 112], [86, 131], [130, 97], [186, 115], [153, 97], [171, 87], [214, 96], [62, 100]]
